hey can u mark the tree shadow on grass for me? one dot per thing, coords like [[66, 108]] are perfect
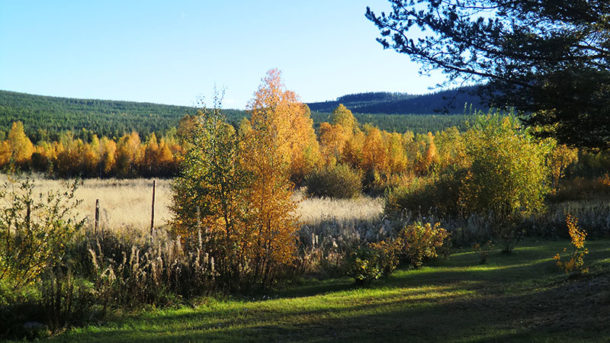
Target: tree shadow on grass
[[555, 314], [449, 303]]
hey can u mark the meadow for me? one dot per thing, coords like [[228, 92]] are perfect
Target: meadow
[[389, 237], [125, 204], [520, 297]]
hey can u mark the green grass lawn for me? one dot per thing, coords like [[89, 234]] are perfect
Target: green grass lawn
[[518, 297]]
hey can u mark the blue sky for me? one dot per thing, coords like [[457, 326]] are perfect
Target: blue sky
[[174, 52]]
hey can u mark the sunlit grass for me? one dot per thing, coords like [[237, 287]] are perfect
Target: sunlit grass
[[125, 204], [518, 297]]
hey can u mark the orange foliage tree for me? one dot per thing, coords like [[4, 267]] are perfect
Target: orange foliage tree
[[269, 139], [20, 145]]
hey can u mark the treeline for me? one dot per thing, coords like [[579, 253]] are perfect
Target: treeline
[[374, 96], [127, 156], [376, 157]]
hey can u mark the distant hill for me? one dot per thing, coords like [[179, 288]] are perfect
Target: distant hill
[[443, 102], [46, 116]]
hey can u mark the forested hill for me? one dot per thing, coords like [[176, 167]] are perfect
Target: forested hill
[[443, 102], [46, 115]]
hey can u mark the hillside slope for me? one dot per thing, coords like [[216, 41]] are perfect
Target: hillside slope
[[444, 102], [46, 115]]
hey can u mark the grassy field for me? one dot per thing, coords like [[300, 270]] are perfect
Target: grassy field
[[518, 297], [126, 203]]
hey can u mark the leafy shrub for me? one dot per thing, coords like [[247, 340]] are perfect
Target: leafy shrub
[[507, 177], [576, 262], [36, 235], [339, 181], [365, 265], [433, 195], [387, 257], [419, 242], [34, 231]]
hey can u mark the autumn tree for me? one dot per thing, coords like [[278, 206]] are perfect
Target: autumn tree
[[429, 159], [559, 159], [128, 154], [268, 142], [210, 198], [21, 146], [304, 147], [5, 153], [107, 156]]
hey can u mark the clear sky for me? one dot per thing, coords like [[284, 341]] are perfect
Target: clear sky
[[174, 52]]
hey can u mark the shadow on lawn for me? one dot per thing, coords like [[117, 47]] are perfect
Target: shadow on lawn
[[465, 305]]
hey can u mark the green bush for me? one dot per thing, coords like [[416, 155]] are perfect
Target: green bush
[[372, 262], [508, 176], [339, 181], [435, 195], [419, 242], [34, 230], [36, 235], [365, 265]]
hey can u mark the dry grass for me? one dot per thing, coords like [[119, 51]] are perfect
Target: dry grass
[[126, 204], [315, 210]]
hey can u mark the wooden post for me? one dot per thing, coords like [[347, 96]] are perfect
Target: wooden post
[[97, 215], [28, 215], [152, 215]]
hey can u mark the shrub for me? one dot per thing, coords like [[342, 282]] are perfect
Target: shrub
[[576, 261], [365, 265], [34, 231], [339, 181], [386, 254], [433, 195], [419, 242], [507, 177]]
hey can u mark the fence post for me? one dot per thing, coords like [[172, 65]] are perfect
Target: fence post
[[152, 215], [28, 215], [97, 215]]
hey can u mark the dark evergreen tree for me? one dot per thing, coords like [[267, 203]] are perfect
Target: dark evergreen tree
[[550, 59]]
